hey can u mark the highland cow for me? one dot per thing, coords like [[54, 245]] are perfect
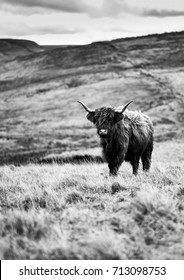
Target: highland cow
[[124, 136]]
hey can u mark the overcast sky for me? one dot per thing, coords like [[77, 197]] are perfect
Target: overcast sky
[[85, 21]]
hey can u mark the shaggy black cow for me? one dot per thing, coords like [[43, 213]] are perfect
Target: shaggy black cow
[[124, 136]]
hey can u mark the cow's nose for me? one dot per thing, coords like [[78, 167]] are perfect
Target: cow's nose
[[103, 132]]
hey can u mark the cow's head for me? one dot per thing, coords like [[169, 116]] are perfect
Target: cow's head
[[105, 118]]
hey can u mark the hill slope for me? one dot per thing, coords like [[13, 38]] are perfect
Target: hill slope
[[39, 89]]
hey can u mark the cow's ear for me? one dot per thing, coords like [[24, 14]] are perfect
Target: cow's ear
[[91, 117], [118, 117]]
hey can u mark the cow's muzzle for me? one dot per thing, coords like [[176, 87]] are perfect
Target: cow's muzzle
[[103, 132]]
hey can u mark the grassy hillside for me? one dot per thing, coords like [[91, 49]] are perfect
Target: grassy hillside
[[77, 212], [38, 92]]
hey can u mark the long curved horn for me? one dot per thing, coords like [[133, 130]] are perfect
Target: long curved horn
[[121, 110], [86, 108]]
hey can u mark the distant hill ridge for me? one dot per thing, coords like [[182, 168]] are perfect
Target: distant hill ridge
[[8, 43], [11, 48]]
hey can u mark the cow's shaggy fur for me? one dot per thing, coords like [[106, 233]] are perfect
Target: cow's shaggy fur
[[128, 136]]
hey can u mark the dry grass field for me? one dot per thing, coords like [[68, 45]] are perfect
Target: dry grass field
[[76, 211], [57, 200]]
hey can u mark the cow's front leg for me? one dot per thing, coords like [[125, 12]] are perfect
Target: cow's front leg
[[113, 170], [115, 164], [114, 167]]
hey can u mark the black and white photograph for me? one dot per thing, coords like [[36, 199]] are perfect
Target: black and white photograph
[[92, 130]]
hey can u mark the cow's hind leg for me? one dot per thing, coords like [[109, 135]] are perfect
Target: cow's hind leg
[[113, 169], [146, 157], [135, 164]]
